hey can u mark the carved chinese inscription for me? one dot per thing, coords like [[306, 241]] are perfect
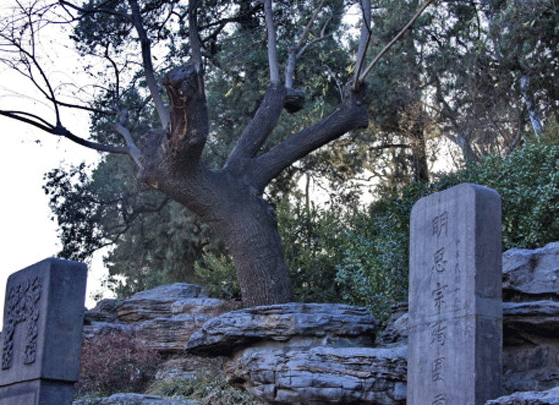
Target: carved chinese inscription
[[22, 306], [455, 298], [440, 292], [42, 333]]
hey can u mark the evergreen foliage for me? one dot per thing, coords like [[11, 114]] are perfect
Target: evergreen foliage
[[373, 271]]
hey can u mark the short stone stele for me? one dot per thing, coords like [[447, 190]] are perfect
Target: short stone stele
[[42, 333]]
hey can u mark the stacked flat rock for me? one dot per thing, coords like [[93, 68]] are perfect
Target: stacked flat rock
[[305, 354], [531, 319], [164, 317]]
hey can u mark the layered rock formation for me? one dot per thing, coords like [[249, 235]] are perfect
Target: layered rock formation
[[328, 353], [305, 354], [164, 317], [531, 319]]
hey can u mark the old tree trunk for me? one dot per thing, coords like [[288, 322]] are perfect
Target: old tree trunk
[[230, 199]]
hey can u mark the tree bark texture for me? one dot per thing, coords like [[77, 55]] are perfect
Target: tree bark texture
[[230, 200]]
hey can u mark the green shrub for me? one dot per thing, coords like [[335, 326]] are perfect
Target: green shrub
[[218, 274], [314, 240], [374, 269]]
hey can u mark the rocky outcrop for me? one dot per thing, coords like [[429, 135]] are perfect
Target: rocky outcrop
[[326, 353], [164, 317], [305, 354], [223, 335], [531, 319], [132, 399], [531, 273], [550, 397], [320, 374]]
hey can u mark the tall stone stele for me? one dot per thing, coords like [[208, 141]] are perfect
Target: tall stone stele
[[455, 298], [42, 333]]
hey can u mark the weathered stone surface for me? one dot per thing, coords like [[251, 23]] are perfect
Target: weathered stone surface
[[104, 311], [164, 317], [168, 334], [300, 374], [41, 342], [396, 330], [455, 297], [550, 397], [223, 335], [305, 354], [532, 272], [133, 399], [156, 303], [530, 346], [535, 318]]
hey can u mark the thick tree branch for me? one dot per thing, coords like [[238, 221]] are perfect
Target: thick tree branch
[[258, 130], [188, 128], [351, 115], [148, 66]]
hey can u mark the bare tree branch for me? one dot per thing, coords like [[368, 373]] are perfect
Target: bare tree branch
[[120, 127], [364, 38], [60, 130], [99, 9], [272, 43], [162, 111], [394, 40], [193, 35], [295, 51]]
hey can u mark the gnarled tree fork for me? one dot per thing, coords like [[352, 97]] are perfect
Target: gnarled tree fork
[[168, 157]]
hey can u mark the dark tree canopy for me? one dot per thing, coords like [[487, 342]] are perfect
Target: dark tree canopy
[[220, 105]]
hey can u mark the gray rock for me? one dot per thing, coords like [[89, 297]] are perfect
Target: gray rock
[[168, 334], [223, 335], [532, 272], [97, 328], [157, 302], [280, 374], [104, 311], [172, 291], [164, 317], [535, 317], [305, 354], [396, 330], [550, 397], [530, 345], [132, 399]]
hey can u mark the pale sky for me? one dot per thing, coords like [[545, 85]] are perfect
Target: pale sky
[[27, 233]]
